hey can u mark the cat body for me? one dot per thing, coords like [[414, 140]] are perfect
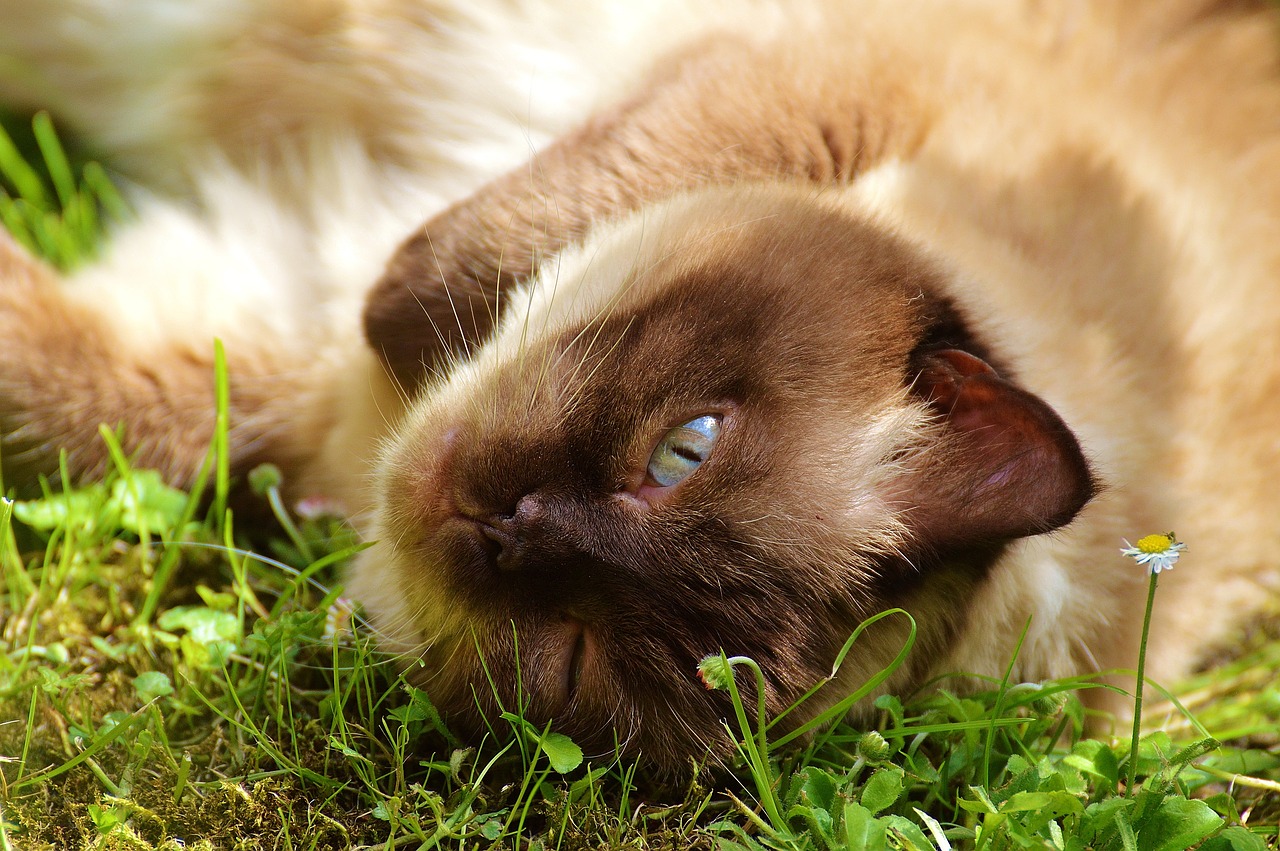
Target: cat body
[[960, 295]]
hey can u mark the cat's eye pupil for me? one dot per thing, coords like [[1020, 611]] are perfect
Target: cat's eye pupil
[[683, 449]]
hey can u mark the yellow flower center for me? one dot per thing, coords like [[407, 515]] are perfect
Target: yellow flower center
[[1155, 543]]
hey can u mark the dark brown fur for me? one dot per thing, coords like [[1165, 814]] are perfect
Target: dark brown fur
[[720, 113], [531, 515]]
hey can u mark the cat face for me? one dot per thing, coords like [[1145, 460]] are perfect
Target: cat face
[[740, 421]]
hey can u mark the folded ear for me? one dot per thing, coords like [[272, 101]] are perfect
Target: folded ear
[[440, 293], [1007, 466]]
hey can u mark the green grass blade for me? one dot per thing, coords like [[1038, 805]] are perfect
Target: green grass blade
[[102, 189], [17, 171], [97, 746], [55, 159], [221, 439], [13, 221]]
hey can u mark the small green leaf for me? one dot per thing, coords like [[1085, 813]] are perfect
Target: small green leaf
[[862, 829], [77, 508], [112, 720], [418, 714], [561, 750], [883, 789], [204, 625], [893, 706], [53, 683], [818, 787], [908, 833], [1095, 758], [1057, 803], [1127, 838], [1099, 822], [107, 820], [584, 784], [457, 759], [145, 501], [151, 685], [1235, 839], [982, 802], [348, 751], [222, 601], [1178, 824], [114, 652], [819, 821]]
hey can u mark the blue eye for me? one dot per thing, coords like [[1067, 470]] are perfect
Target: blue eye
[[682, 450]]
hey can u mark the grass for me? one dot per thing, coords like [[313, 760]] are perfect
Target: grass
[[54, 205], [164, 685]]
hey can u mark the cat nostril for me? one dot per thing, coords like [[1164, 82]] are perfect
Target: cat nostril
[[513, 533], [500, 530]]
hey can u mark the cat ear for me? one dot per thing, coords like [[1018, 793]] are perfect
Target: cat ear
[[437, 296], [1007, 465]]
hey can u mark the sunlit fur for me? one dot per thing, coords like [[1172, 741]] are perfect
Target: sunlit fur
[[1091, 185]]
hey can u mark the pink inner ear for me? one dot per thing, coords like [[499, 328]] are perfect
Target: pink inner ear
[[1008, 465]]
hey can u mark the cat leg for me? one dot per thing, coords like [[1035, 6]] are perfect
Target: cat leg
[[160, 87], [454, 90], [64, 369], [724, 112]]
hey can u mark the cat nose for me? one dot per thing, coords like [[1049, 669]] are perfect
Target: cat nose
[[516, 533]]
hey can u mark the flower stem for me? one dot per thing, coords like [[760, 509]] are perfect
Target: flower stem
[[757, 748], [1137, 693]]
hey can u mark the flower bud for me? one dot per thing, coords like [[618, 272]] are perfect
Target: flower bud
[[264, 477], [1048, 705], [872, 747], [715, 671]]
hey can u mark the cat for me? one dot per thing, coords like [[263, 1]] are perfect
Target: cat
[[728, 328]]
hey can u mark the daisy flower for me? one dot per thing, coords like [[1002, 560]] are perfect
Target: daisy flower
[[1157, 552]]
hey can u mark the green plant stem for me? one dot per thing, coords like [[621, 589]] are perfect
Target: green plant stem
[[1000, 695], [762, 718], [286, 522], [1137, 691], [221, 440], [756, 741]]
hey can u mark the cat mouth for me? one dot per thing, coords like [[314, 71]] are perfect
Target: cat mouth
[[572, 656]]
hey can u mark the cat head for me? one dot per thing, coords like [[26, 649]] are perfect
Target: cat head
[[741, 420]]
